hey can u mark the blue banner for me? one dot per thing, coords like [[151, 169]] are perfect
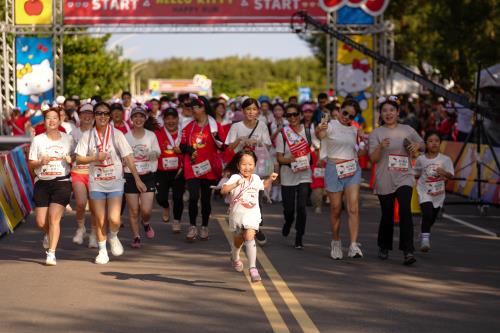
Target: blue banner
[[34, 72]]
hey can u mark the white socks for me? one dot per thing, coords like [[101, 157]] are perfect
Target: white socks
[[102, 245], [251, 251], [426, 235], [113, 234], [235, 251]]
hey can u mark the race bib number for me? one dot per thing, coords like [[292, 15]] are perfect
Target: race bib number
[[170, 163], [104, 173], [435, 188], [81, 167], [319, 173], [399, 163], [202, 168], [142, 167], [54, 168], [300, 164], [346, 169]]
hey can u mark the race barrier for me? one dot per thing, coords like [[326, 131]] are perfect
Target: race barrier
[[16, 188]]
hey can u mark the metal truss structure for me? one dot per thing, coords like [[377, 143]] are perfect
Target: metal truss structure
[[381, 31]]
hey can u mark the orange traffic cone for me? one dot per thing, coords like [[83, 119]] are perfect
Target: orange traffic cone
[[396, 211]]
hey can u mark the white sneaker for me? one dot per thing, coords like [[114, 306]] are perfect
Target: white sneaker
[[93, 241], [79, 235], [116, 246], [102, 258], [336, 252], [51, 259], [45, 242], [355, 251], [425, 245]]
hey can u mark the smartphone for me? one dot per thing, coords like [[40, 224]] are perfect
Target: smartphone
[[325, 118]]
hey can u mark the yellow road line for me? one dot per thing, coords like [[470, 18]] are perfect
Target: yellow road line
[[273, 316], [289, 298]]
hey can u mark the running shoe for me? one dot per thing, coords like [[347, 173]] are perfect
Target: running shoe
[[383, 254], [79, 235], [254, 274], [409, 259], [176, 227], [136, 243], [336, 250], [93, 241], [261, 238], [237, 264], [192, 233], [51, 259], [102, 258], [355, 251], [116, 246], [298, 243], [45, 242], [425, 245], [148, 229], [204, 233]]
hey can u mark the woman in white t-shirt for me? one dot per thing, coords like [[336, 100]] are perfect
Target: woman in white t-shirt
[[243, 188], [50, 158], [103, 148], [434, 169], [294, 155], [146, 151], [248, 134], [343, 174]]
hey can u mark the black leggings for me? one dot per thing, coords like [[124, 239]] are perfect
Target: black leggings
[[429, 215], [166, 180], [294, 200], [386, 228], [197, 186]]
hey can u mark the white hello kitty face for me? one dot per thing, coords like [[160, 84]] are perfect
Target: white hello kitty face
[[140, 152], [38, 81], [354, 77]]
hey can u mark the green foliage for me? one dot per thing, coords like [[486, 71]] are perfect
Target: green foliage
[[450, 35], [90, 69], [250, 76]]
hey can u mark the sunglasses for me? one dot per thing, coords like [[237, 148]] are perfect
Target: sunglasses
[[103, 114], [294, 114], [348, 115]]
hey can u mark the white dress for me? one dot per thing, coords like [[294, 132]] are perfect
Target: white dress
[[244, 210]]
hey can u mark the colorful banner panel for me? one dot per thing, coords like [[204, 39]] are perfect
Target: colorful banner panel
[[466, 168], [15, 178], [80, 12], [21, 167], [355, 77], [8, 200], [34, 72], [28, 12]]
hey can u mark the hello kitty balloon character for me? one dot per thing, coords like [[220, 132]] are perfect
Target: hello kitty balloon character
[[34, 80], [354, 79]]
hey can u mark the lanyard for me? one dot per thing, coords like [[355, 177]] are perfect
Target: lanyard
[[171, 139], [101, 142], [243, 189], [192, 129]]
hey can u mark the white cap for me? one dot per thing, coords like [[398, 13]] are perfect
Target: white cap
[[60, 99]]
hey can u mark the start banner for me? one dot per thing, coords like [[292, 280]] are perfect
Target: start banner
[[199, 12]]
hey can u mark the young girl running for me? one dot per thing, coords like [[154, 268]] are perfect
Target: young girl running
[[434, 168], [244, 213]]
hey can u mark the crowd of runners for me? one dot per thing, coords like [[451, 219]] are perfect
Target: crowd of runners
[[120, 155]]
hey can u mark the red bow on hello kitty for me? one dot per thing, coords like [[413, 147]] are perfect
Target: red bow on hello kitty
[[356, 64]]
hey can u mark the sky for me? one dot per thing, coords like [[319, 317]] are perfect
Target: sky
[[209, 46]]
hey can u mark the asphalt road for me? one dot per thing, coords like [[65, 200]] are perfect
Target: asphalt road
[[173, 286]]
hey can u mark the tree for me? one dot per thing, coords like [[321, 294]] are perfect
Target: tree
[[450, 35], [90, 69]]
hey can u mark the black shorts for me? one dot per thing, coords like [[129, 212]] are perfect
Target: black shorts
[[148, 179], [52, 191]]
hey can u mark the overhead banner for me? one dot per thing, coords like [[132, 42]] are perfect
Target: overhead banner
[[85, 12], [34, 72], [355, 77], [28, 12]]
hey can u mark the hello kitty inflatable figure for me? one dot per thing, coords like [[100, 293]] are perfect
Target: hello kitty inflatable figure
[[35, 81], [354, 79]]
